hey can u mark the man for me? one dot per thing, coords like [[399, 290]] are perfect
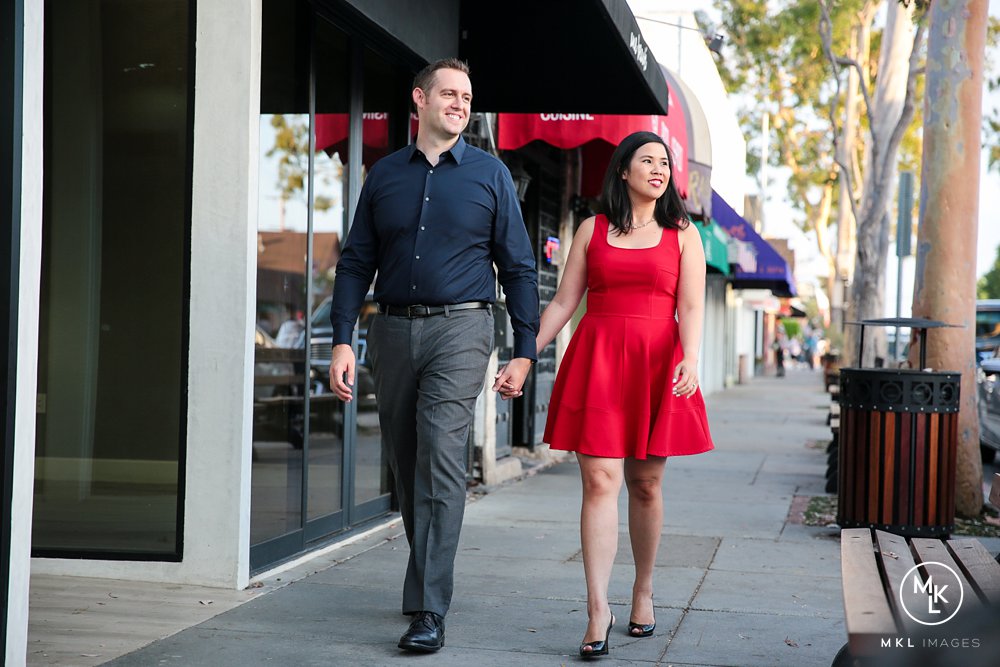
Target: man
[[432, 220]]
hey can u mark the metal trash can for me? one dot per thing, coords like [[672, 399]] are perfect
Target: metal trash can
[[898, 444]]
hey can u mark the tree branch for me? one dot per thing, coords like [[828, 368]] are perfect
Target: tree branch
[[905, 117], [826, 36], [909, 105]]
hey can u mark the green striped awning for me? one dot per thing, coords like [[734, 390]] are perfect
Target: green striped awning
[[714, 239]]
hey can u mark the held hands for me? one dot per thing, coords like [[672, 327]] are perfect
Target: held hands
[[510, 378], [686, 378], [341, 367]]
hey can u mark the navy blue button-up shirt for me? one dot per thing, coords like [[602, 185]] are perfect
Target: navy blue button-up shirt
[[433, 235]]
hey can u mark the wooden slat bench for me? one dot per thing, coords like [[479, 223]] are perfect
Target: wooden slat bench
[[831, 378], [873, 565]]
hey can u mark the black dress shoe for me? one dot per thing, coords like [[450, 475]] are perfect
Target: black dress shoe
[[425, 634]]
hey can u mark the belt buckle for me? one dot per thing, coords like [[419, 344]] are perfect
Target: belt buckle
[[417, 311]]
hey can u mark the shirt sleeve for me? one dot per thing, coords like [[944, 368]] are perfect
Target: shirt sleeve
[[515, 262], [356, 269]]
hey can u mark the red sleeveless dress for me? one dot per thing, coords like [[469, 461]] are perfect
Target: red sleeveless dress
[[613, 395]]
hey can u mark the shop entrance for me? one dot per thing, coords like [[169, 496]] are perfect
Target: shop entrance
[[330, 107]]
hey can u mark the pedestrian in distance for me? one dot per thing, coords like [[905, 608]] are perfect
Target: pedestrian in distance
[[432, 221], [779, 345], [626, 396]]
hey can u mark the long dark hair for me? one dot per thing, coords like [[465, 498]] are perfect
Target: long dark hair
[[669, 209]]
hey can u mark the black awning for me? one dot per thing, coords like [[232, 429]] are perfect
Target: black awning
[[567, 56]]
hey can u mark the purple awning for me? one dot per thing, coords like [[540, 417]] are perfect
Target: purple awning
[[772, 271]]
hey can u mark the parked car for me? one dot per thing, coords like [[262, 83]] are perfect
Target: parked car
[[988, 400], [320, 351], [987, 328]]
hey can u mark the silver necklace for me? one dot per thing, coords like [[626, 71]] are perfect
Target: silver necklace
[[635, 227]]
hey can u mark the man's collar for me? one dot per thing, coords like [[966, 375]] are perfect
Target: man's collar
[[457, 151]]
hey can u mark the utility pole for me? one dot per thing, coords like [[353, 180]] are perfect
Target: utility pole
[[904, 230], [945, 280], [846, 224]]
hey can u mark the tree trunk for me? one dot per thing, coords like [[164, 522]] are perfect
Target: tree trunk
[[945, 281], [885, 115]]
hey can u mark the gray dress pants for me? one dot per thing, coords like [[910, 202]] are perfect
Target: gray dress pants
[[428, 372]]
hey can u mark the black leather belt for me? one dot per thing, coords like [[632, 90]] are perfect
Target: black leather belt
[[430, 311]]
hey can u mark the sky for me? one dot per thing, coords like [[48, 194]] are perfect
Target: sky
[[780, 215]]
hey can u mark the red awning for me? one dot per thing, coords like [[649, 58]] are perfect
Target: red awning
[[598, 135], [332, 130]]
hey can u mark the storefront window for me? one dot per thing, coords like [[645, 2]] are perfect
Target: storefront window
[[112, 361], [327, 106], [329, 214], [384, 88], [280, 372]]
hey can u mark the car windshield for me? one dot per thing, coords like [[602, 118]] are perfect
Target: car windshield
[[321, 316], [987, 323]]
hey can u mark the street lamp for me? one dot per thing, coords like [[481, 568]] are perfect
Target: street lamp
[[713, 41]]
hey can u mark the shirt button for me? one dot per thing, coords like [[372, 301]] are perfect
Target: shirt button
[[418, 256], [413, 287], [431, 171], [422, 228], [427, 198]]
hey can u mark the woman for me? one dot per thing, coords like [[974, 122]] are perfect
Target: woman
[[627, 389]]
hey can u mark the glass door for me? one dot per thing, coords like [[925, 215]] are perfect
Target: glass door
[[317, 464]]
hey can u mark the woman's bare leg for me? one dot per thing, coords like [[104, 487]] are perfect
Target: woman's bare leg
[[644, 479], [602, 482]]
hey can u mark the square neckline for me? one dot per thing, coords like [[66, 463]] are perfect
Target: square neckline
[[607, 233]]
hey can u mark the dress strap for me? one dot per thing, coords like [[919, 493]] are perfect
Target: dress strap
[[601, 226]]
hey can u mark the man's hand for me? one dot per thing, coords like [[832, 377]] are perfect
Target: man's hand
[[341, 366], [510, 378]]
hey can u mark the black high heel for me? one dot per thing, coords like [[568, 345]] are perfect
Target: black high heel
[[645, 629], [600, 647]]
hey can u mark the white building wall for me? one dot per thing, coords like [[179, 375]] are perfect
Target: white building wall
[[684, 51], [29, 275], [223, 283], [745, 335], [712, 361]]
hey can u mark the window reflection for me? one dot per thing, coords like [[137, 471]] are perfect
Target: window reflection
[[112, 364], [279, 358], [309, 448], [384, 86], [329, 181]]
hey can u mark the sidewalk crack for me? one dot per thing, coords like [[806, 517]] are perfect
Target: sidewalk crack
[[688, 605], [756, 473]]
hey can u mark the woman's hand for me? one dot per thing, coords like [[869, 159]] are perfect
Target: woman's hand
[[686, 378]]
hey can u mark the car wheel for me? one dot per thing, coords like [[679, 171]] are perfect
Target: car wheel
[[987, 453]]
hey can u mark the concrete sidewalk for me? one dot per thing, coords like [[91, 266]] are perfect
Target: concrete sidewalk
[[738, 581]]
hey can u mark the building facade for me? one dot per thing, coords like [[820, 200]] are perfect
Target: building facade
[[180, 176]]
